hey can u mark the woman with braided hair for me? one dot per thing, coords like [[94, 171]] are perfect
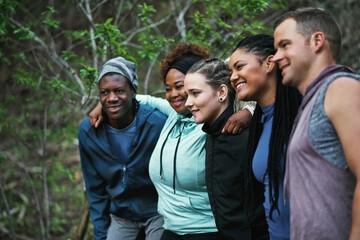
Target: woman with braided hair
[[255, 77]]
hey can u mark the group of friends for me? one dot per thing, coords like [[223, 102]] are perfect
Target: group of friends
[[191, 168]]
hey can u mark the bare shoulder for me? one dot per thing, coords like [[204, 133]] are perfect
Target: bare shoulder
[[344, 82], [342, 106], [342, 95]]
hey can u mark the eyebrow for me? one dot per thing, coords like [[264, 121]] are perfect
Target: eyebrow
[[179, 81], [279, 43], [237, 62], [193, 89]]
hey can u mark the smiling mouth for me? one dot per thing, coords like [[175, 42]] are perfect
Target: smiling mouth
[[240, 85], [114, 108], [194, 111], [177, 103], [283, 68]]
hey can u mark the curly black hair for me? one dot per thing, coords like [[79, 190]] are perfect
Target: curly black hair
[[179, 52]]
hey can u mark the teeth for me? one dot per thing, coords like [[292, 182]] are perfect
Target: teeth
[[240, 85]]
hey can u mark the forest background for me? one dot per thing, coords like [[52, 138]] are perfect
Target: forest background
[[50, 52]]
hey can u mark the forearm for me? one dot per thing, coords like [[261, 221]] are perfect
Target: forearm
[[355, 227], [161, 104]]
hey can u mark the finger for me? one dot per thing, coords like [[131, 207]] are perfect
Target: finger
[[235, 130], [92, 121], [225, 129], [239, 130], [99, 120]]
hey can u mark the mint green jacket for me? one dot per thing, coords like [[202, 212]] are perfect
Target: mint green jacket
[[183, 198]]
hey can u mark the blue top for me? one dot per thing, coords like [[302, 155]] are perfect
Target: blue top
[[188, 210], [119, 185], [120, 139], [279, 228]]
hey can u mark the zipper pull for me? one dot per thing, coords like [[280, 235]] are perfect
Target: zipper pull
[[123, 173]]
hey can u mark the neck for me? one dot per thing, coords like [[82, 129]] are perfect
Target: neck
[[317, 66], [122, 122], [268, 96], [221, 110]]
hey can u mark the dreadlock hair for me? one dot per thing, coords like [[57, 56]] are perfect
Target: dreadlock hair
[[287, 102]]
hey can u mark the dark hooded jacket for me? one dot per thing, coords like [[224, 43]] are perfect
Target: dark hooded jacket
[[224, 173]]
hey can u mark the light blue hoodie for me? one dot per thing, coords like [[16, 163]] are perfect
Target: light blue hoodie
[[187, 211]]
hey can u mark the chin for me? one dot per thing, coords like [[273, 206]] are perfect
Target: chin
[[198, 121], [185, 112], [287, 82]]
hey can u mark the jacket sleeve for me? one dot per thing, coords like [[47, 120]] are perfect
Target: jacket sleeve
[[99, 202], [161, 104]]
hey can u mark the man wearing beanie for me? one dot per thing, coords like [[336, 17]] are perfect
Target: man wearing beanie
[[115, 158]]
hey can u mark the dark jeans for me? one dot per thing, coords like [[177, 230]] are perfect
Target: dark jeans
[[168, 235]]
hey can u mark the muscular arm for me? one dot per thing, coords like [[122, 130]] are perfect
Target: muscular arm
[[342, 106]]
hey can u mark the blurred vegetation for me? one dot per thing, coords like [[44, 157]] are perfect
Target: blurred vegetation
[[50, 52]]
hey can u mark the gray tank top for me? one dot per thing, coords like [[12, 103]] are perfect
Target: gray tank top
[[322, 133], [318, 182]]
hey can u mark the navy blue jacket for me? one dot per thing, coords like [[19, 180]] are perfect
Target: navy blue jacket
[[121, 187]]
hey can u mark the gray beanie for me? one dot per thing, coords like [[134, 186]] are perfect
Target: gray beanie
[[123, 67]]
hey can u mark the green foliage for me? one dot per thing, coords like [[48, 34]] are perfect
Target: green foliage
[[49, 21], [152, 44], [69, 56], [89, 75], [217, 22], [24, 33], [145, 12], [25, 77], [110, 36]]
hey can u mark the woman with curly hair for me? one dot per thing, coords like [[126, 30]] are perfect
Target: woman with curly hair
[[177, 165]]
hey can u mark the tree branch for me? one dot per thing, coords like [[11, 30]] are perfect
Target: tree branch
[[146, 83], [7, 208], [134, 32], [180, 21]]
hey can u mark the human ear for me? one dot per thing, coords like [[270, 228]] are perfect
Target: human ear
[[222, 92], [317, 40], [269, 64]]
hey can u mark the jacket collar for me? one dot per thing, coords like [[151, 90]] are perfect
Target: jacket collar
[[100, 133]]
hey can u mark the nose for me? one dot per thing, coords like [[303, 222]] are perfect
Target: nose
[[233, 77], [188, 102], [112, 96], [277, 57], [174, 93]]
